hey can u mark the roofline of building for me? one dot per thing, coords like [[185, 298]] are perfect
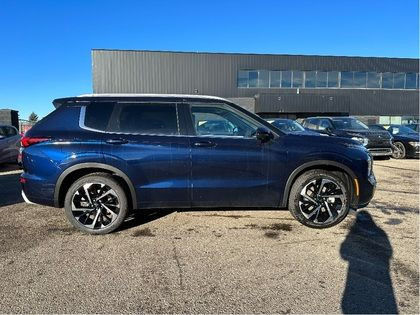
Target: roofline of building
[[248, 54]]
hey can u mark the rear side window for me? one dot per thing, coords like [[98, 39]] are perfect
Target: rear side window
[[146, 118], [98, 114]]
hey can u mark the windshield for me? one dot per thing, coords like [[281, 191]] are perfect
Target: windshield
[[402, 130], [349, 124], [287, 125]]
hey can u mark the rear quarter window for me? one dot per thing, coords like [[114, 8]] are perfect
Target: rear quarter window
[[98, 114]]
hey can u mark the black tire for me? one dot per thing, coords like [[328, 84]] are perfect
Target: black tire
[[110, 205], [398, 151], [300, 205]]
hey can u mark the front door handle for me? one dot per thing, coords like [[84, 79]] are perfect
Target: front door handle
[[116, 141], [204, 144]]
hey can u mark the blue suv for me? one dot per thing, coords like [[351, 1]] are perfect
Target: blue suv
[[102, 156]]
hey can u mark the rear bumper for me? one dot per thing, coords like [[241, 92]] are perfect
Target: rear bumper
[[26, 198], [37, 190], [412, 151], [380, 151]]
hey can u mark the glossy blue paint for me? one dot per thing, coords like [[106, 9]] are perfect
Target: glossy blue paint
[[184, 171]]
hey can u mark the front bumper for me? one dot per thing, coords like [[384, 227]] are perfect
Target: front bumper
[[367, 191], [412, 151]]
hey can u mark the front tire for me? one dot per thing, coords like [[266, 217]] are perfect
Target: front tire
[[319, 198], [96, 204], [398, 151]]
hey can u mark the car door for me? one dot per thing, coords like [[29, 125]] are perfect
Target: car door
[[3, 145], [143, 139], [230, 167], [13, 142]]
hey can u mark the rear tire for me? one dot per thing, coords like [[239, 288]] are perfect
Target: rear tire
[[96, 204], [398, 151], [319, 198]]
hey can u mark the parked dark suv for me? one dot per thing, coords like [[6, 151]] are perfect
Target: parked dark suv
[[99, 156], [377, 142]]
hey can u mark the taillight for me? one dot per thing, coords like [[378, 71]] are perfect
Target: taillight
[[27, 141]]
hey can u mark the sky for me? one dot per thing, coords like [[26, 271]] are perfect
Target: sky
[[45, 46]]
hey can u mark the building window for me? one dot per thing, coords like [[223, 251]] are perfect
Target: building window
[[310, 79], [286, 79], [333, 79], [346, 79], [275, 77], [321, 79], [410, 80], [297, 79], [263, 78], [399, 80], [359, 80], [253, 79], [373, 80], [387, 79]]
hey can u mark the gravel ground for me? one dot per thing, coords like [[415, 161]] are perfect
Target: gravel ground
[[215, 261]]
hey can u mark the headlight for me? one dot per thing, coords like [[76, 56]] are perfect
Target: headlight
[[414, 143], [362, 140]]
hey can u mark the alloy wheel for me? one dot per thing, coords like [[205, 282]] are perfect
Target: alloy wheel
[[398, 151], [322, 200], [95, 205]]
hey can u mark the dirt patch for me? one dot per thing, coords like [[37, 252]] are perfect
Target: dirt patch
[[271, 234], [143, 232]]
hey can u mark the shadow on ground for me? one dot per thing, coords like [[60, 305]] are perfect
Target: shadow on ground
[[368, 251], [142, 217], [10, 190]]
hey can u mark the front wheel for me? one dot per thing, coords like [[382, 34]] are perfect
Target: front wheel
[[320, 199], [96, 204], [398, 151]]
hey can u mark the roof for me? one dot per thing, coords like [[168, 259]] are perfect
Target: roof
[[133, 96]]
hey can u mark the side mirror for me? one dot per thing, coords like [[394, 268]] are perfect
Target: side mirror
[[263, 135]]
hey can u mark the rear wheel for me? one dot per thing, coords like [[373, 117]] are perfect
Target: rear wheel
[[96, 204], [319, 198], [398, 151]]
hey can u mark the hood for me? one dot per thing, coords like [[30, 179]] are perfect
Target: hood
[[407, 137], [370, 134], [319, 139]]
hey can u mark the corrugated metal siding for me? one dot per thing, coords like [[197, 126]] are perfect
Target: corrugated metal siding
[[117, 71]]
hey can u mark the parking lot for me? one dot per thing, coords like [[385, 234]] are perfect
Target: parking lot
[[215, 261]]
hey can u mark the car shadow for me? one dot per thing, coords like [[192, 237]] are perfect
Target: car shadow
[[141, 217], [10, 190], [368, 252]]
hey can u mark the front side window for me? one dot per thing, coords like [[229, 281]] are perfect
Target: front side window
[[146, 118], [324, 124], [3, 133], [349, 124], [10, 132], [212, 120]]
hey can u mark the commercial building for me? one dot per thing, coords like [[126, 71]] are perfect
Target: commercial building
[[377, 89]]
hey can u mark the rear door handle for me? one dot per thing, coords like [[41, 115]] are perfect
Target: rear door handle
[[116, 141], [204, 144]]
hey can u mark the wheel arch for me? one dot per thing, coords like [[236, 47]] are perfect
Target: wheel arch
[[74, 172], [318, 164]]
